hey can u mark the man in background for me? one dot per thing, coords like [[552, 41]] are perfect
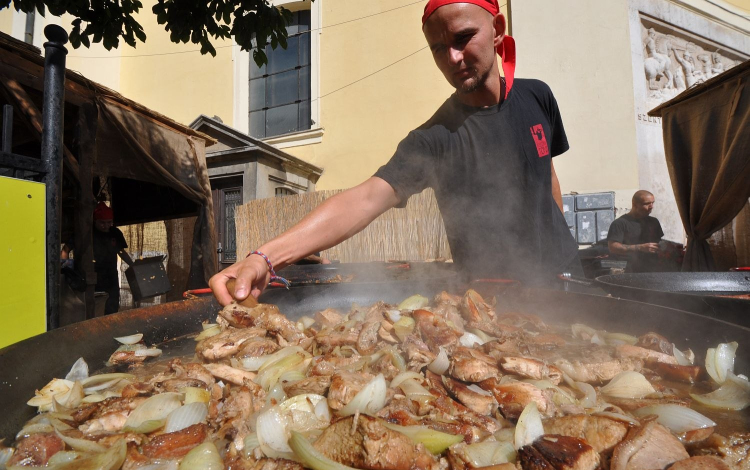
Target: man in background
[[636, 235], [109, 243]]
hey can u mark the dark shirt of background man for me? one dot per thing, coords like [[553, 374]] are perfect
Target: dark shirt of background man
[[629, 230]]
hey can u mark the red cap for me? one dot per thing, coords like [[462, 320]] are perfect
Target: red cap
[[506, 49], [103, 212], [489, 5]]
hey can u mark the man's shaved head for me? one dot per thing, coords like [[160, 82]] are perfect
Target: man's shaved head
[[639, 196]]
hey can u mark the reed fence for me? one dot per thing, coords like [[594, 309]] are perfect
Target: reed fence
[[414, 233]]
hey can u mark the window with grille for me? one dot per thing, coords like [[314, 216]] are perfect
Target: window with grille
[[280, 90], [284, 192]]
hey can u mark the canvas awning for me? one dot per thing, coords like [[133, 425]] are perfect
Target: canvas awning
[[707, 144]]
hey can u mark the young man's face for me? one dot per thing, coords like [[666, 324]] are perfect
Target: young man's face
[[103, 225], [462, 37]]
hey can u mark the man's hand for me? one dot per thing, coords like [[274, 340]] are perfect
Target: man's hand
[[648, 247], [251, 275]]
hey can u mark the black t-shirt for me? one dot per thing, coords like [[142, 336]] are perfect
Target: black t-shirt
[[491, 172], [631, 231], [106, 247]]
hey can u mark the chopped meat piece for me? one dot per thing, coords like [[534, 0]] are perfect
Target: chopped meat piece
[[700, 463], [175, 444], [512, 397], [459, 460], [384, 366], [418, 354], [176, 385], [436, 382], [133, 439], [233, 375], [227, 343], [400, 411], [329, 317], [483, 404], [531, 368], [733, 450], [696, 436], [84, 412], [656, 342], [648, 447], [263, 316], [629, 404], [685, 374], [376, 313], [197, 371], [455, 410], [266, 464], [444, 298], [368, 338], [125, 357], [257, 347], [343, 335], [386, 333], [316, 384], [545, 340], [636, 352], [36, 450], [474, 309], [601, 433], [344, 385], [111, 415], [434, 330], [501, 347], [368, 444], [471, 365], [558, 453], [327, 365], [596, 372], [523, 320], [137, 389]]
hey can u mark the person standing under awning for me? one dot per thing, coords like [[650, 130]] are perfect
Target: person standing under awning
[[487, 152]]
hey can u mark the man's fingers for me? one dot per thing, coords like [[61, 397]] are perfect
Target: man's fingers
[[218, 284]]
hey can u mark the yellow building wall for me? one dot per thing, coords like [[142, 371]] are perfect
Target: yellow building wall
[[175, 79], [6, 20], [583, 52]]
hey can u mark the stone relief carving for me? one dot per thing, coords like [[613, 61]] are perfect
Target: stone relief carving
[[673, 61]]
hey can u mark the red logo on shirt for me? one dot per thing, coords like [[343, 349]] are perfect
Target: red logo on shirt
[[540, 140]]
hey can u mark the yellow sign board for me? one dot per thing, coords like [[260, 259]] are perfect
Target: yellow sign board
[[22, 260]]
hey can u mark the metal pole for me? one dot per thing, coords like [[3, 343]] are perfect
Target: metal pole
[[52, 155]]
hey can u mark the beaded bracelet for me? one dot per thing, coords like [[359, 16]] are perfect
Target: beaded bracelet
[[274, 277]]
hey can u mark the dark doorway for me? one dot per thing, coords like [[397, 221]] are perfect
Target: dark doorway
[[227, 195]]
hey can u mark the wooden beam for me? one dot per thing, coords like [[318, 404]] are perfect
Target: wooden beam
[[84, 248], [33, 117]]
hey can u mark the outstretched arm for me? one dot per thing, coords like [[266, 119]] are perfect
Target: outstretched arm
[[334, 221]]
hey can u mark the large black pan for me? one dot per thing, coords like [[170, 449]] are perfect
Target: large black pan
[[703, 293], [30, 364]]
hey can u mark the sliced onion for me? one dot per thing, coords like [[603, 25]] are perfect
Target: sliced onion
[[72, 398], [489, 453], [161, 465], [101, 386], [196, 395], [291, 377], [720, 360], [45, 395], [681, 358], [98, 379], [405, 375], [618, 417], [132, 339], [36, 428], [204, 457], [279, 356], [82, 445], [79, 371], [150, 414], [276, 395], [415, 391], [404, 327], [148, 352], [529, 427], [5, 454], [208, 333], [271, 371], [310, 456], [369, 400], [206, 326], [733, 395], [581, 331], [250, 444], [596, 339], [615, 339], [482, 335], [186, 416], [414, 302], [393, 315], [62, 457], [252, 364], [628, 384], [470, 339], [589, 399], [434, 441], [675, 417], [441, 363], [274, 425]]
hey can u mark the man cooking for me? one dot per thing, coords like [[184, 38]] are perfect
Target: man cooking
[[109, 243], [636, 235], [487, 152]]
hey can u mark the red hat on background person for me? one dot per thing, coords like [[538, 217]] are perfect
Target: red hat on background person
[[507, 48], [103, 212]]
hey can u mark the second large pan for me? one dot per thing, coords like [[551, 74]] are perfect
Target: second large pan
[[703, 293]]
